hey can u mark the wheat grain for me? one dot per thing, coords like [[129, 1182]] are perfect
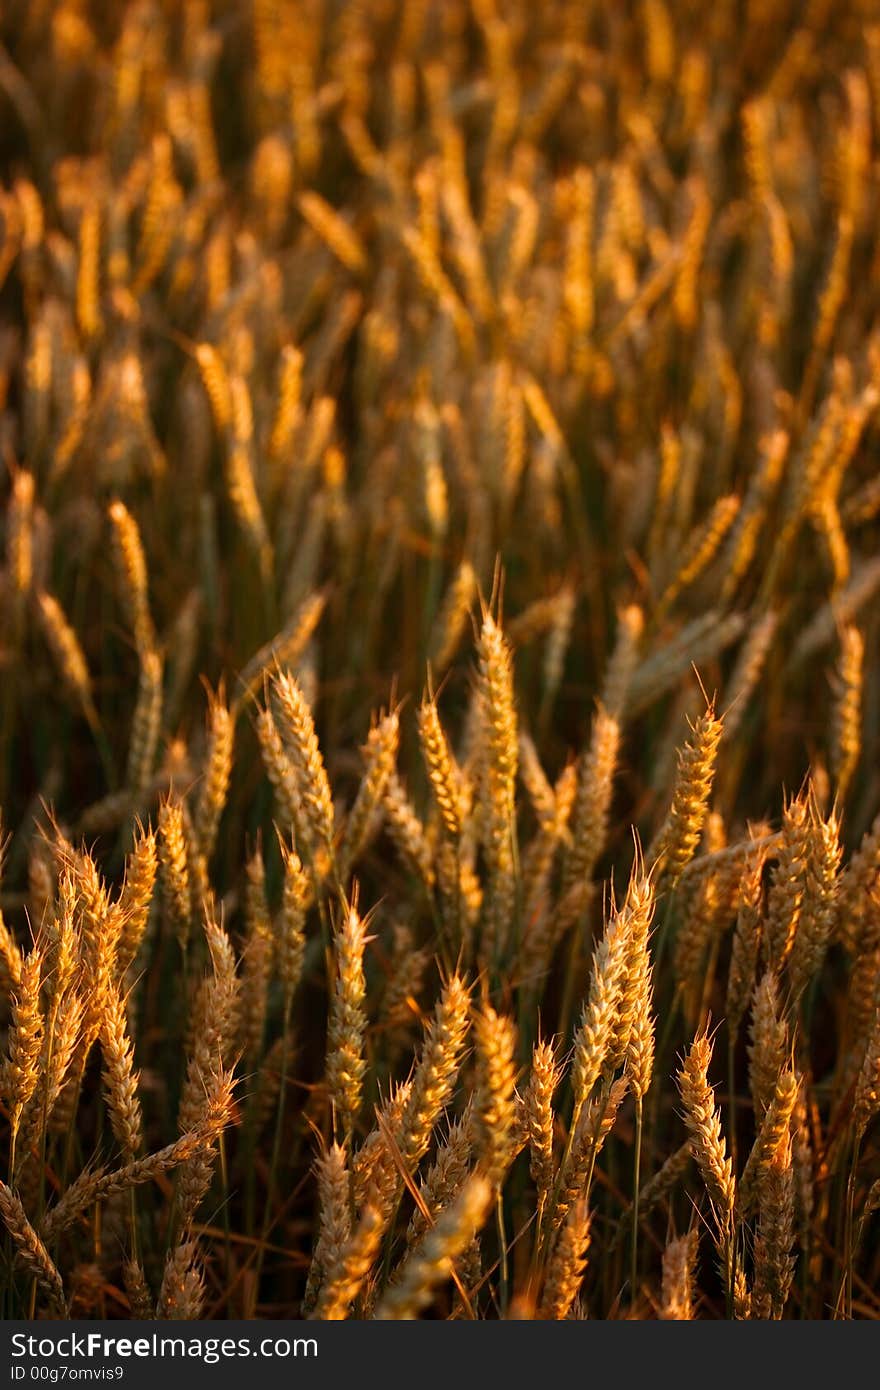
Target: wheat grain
[[565, 1271], [346, 1063], [704, 1125], [30, 1250], [677, 1294], [494, 1104], [431, 1261]]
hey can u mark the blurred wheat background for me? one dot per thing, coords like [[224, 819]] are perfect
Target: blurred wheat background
[[439, 704]]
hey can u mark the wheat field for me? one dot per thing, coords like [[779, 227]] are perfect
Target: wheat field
[[439, 695]]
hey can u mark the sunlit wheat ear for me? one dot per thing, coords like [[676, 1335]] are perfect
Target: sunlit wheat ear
[[702, 548], [742, 1297], [256, 957], [279, 771], [30, 1251], [345, 1281], [145, 725], [578, 279], [380, 756], [67, 654], [136, 897], [374, 1172], [245, 501], [774, 1262], [182, 1294], [768, 1042], [847, 716], [19, 536], [445, 1177], [595, 1033], [495, 1118], [195, 1173], [440, 765], [131, 574], [592, 806], [498, 772], [641, 1045], [668, 470], [699, 641], [677, 1291], [588, 1136], [704, 1126], [215, 380], [431, 1261], [286, 648], [748, 672], [686, 295], [565, 1271], [677, 840], [288, 403], [437, 284], [297, 729], [855, 887], [214, 1030], [216, 774], [201, 893], [539, 1118], [140, 1298], [409, 966], [97, 1184], [745, 947], [63, 935], [537, 619], [786, 895], [632, 1037], [828, 308], [346, 1063], [120, 1078], [819, 909], [862, 997], [87, 283], [436, 1070], [867, 1092], [714, 885], [407, 831], [333, 230], [174, 870], [61, 1040], [558, 641], [544, 928], [804, 1164], [100, 929], [41, 882], [334, 1221], [290, 926], [10, 957], [536, 783], [622, 663], [466, 245], [775, 1128], [21, 1071]]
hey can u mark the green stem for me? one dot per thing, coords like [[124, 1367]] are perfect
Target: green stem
[[731, 1095], [634, 1248], [276, 1147], [504, 1288], [848, 1254], [227, 1230]]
